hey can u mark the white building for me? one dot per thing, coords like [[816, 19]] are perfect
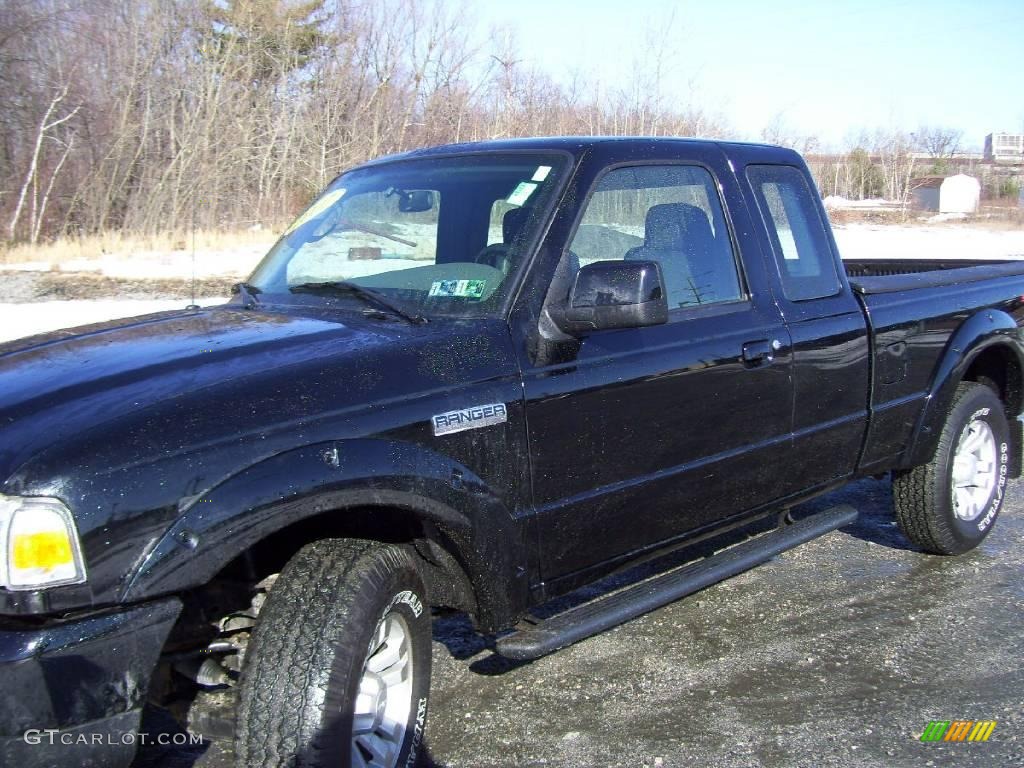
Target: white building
[[1004, 148], [950, 194]]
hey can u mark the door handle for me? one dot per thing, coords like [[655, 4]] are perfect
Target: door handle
[[759, 352]]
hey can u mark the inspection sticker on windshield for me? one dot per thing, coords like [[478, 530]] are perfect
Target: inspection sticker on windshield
[[521, 193], [463, 289], [541, 173], [469, 418]]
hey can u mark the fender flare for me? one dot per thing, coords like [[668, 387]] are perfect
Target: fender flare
[[982, 331], [330, 478]]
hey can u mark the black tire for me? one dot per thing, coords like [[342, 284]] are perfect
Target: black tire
[[923, 496], [306, 659]]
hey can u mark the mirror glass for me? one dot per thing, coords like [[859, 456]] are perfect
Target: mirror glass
[[415, 200]]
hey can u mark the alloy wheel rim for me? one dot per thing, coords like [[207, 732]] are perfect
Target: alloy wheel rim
[[974, 470], [384, 700]]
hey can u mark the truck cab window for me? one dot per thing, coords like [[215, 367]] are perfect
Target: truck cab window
[[797, 233], [670, 214]]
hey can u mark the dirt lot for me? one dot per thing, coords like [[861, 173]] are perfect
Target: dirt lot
[[837, 653]]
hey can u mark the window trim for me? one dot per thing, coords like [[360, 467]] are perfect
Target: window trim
[[744, 302], [777, 251]]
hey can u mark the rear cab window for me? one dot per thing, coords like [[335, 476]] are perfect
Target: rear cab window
[[807, 267]]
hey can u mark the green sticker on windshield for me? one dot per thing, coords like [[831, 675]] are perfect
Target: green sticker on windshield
[[521, 193], [463, 289]]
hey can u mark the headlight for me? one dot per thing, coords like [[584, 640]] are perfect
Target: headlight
[[40, 546]]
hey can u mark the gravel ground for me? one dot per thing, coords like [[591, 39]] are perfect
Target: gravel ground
[[836, 653]]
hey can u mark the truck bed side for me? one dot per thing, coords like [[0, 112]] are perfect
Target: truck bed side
[[931, 327]]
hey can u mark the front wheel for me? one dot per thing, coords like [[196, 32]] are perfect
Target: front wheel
[[948, 506], [338, 669]]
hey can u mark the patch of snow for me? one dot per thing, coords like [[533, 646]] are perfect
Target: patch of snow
[[939, 217], [18, 320], [867, 241], [28, 266], [837, 202]]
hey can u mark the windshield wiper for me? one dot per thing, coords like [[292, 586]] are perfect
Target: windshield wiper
[[366, 294], [248, 293]]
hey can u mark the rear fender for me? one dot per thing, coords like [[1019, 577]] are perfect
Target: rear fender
[[986, 329], [333, 478]]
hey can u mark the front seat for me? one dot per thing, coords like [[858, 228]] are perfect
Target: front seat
[[497, 254], [679, 236]]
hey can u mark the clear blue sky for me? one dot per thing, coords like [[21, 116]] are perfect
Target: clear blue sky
[[827, 68]]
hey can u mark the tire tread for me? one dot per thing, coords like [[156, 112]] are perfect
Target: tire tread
[[292, 648], [916, 492]]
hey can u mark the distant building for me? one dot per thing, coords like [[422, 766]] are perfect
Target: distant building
[[1004, 148], [955, 157], [947, 194]]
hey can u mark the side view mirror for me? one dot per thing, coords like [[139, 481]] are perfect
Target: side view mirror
[[616, 294], [415, 201]]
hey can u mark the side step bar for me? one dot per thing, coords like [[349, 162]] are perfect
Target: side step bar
[[604, 613]]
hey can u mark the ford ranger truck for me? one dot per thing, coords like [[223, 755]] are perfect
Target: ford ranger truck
[[473, 377]]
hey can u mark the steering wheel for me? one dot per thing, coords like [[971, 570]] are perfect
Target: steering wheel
[[495, 255]]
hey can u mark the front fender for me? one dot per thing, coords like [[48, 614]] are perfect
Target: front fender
[[331, 478], [978, 333]]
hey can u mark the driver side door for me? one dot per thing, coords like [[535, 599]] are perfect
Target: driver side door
[[641, 435]]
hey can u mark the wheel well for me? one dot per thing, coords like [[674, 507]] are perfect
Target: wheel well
[[998, 368], [444, 574], [231, 589], [206, 647]]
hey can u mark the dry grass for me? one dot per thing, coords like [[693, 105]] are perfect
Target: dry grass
[[122, 245], [859, 216], [991, 217], [999, 217]]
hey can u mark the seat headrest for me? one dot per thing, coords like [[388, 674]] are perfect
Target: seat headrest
[[512, 224], [669, 225]]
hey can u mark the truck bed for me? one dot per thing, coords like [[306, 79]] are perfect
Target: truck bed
[[915, 307], [872, 276]]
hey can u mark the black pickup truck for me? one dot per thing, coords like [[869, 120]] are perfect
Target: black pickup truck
[[473, 377]]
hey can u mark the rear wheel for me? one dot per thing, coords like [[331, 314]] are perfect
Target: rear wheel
[[949, 505], [338, 670]]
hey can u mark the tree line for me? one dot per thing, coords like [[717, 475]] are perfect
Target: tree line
[[150, 115], [164, 115]]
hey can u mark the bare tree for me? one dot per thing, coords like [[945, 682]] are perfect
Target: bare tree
[[235, 112], [49, 122], [938, 142]]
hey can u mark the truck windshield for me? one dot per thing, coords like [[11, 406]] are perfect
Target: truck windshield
[[435, 236]]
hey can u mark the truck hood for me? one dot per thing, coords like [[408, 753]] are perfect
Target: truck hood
[[62, 386], [132, 423]]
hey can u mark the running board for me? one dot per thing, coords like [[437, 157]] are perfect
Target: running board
[[604, 613]]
